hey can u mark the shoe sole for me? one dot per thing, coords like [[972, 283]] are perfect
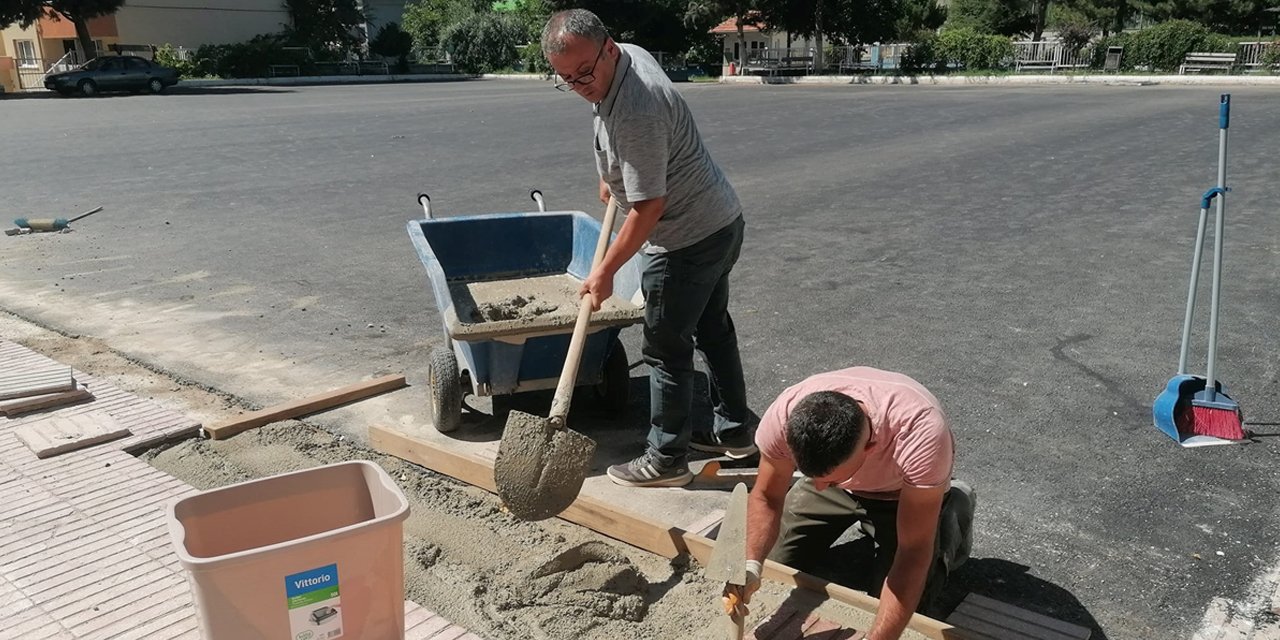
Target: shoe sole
[[733, 453], [677, 481]]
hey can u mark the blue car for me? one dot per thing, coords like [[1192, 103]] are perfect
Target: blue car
[[112, 73]]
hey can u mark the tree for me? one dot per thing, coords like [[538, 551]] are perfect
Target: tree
[[426, 20], [702, 15], [484, 42], [325, 25], [855, 21], [918, 16], [79, 12], [656, 25], [392, 42], [1002, 17]]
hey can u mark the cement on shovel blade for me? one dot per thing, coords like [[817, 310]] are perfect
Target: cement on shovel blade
[[540, 467]]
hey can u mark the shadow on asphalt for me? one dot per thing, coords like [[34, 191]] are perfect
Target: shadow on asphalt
[[1012, 583]]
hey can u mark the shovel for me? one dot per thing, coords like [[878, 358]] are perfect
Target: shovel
[[541, 464], [729, 559]]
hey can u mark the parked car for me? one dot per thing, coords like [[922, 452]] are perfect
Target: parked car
[[112, 73]]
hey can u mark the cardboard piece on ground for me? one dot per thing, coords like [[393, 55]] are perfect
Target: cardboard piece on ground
[[35, 383], [981, 618], [60, 434], [305, 406], [21, 406]]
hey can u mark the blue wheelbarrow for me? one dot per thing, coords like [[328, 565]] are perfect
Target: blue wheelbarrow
[[505, 285]]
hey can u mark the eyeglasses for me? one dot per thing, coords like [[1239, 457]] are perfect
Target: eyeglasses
[[586, 78]]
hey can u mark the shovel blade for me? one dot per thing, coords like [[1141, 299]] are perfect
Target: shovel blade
[[540, 466]]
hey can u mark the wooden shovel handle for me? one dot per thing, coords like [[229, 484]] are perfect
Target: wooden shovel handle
[[569, 376]]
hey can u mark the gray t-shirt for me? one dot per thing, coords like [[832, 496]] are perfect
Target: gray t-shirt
[[647, 146]]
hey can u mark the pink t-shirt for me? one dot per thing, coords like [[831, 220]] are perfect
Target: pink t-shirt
[[914, 445]]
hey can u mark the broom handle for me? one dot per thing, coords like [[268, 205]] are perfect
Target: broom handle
[[1195, 277], [569, 376], [1224, 118]]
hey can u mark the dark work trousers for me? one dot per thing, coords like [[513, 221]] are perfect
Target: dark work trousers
[[813, 520], [686, 309]]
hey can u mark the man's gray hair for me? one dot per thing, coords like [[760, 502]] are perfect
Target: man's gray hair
[[574, 23]]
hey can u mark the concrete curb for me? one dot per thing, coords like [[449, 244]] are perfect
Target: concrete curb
[[321, 80], [1009, 80]]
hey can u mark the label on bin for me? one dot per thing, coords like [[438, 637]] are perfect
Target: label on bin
[[315, 610]]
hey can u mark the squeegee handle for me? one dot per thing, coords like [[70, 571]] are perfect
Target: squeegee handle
[[569, 376], [84, 215]]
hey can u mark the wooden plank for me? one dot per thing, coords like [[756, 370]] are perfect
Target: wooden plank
[[35, 383], [601, 517], [21, 406], [60, 434], [305, 406]]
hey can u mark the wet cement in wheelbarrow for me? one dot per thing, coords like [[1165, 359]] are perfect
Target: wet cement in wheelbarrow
[[530, 302]]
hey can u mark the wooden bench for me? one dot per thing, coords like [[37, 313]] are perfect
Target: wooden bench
[[277, 70], [1036, 63], [1208, 62], [796, 62]]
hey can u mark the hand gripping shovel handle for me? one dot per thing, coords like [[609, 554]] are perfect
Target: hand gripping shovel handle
[[569, 376]]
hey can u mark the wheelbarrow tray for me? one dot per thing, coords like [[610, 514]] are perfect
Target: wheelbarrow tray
[[464, 254]]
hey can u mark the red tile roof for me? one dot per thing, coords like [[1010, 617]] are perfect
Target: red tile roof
[[730, 25]]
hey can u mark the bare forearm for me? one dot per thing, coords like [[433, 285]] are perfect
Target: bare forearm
[[763, 518], [901, 594]]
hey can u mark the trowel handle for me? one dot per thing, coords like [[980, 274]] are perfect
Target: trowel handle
[[736, 627], [569, 376]]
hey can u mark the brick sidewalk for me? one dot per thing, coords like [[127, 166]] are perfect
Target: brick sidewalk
[[84, 547]]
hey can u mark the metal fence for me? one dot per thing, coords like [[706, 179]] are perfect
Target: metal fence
[[32, 71], [1049, 55]]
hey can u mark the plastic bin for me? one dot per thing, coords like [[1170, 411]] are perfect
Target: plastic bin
[[311, 555]]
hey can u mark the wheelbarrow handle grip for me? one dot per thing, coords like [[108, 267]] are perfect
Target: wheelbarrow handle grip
[[569, 376], [425, 201]]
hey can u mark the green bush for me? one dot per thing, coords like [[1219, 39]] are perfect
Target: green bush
[[534, 61], [974, 51], [392, 42], [923, 57], [484, 42], [1271, 57], [1075, 35], [250, 59], [167, 56], [1164, 46], [1114, 40]]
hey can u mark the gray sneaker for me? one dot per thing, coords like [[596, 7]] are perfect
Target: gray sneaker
[[646, 471], [737, 445]]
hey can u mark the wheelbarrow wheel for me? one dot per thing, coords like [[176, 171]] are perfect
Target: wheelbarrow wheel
[[446, 390], [614, 391]]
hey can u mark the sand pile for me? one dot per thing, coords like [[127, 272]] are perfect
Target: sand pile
[[475, 564]]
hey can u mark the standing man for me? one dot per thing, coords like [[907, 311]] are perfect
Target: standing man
[[876, 450], [685, 216]]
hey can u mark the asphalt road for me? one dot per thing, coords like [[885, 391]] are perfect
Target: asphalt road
[[1021, 251]]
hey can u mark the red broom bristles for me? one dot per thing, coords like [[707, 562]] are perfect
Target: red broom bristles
[[1210, 421]]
